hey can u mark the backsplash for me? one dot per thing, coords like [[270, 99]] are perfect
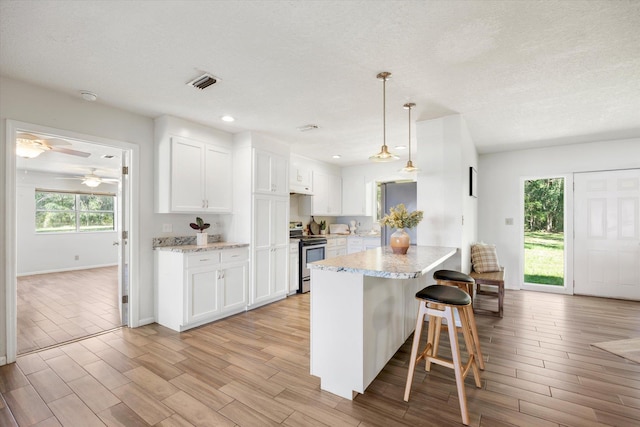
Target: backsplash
[[183, 240]]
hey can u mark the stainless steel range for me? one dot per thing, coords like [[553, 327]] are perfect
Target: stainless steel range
[[311, 248]]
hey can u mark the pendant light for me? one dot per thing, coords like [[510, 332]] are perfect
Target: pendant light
[[409, 167], [384, 155]]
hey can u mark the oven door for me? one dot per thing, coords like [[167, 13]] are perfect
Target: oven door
[[309, 254]]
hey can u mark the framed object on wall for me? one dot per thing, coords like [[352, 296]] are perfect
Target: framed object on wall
[[473, 182]]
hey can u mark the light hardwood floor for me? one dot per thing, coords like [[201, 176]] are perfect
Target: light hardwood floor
[[58, 307], [253, 370]]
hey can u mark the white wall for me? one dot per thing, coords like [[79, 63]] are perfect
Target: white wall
[[42, 253], [499, 188], [30, 104], [445, 153]]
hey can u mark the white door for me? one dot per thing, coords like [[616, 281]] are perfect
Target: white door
[[607, 236], [123, 240]]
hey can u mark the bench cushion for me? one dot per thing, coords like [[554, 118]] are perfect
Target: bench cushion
[[484, 258]]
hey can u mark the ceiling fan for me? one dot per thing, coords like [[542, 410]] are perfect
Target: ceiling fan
[[91, 179], [30, 146]]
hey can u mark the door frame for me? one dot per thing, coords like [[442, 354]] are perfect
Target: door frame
[[12, 128], [568, 237]]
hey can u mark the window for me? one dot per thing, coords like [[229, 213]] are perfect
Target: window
[[61, 212]]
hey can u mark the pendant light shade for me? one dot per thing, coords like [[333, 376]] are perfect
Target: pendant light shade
[[409, 168], [384, 155]]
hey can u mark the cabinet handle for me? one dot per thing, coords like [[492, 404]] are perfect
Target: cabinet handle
[[205, 259]]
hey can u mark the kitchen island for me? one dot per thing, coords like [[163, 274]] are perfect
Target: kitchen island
[[363, 308]]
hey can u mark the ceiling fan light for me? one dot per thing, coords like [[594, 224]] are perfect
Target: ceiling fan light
[[28, 151], [92, 182]]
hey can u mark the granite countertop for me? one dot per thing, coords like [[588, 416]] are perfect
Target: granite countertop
[[382, 262], [195, 248]]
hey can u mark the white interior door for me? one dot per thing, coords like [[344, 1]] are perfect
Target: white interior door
[[607, 236], [123, 236]]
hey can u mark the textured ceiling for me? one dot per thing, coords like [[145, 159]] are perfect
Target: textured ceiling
[[522, 73]]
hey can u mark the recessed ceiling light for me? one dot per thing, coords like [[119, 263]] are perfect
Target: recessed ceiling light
[[88, 96], [400, 147], [336, 156], [227, 119]]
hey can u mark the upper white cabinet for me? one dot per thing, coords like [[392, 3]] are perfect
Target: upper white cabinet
[[200, 177], [356, 196], [300, 179], [270, 173], [327, 199], [193, 167]]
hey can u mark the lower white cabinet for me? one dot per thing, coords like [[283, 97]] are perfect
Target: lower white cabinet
[[294, 265], [336, 246], [197, 288], [360, 243]]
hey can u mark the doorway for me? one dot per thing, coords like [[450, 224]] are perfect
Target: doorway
[[607, 234], [83, 242]]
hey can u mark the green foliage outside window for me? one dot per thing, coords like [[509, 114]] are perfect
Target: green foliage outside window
[[68, 212]]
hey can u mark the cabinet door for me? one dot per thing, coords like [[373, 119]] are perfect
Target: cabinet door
[[321, 194], [279, 222], [294, 274], [217, 179], [280, 281], [202, 298], [279, 175], [187, 176], [262, 172], [354, 195], [262, 275], [233, 287], [334, 196]]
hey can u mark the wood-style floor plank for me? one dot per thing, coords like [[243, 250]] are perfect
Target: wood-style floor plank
[[252, 369]]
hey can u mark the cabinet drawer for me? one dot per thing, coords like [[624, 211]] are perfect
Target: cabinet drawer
[[233, 255], [202, 259], [340, 241]]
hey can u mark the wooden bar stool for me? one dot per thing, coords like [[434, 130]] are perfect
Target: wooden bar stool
[[466, 283], [439, 302]]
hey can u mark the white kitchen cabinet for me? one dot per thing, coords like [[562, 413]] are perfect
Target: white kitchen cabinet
[[270, 173], [354, 244], [336, 246], [356, 196], [200, 177], [300, 179], [327, 198], [362, 243], [271, 248], [294, 266], [197, 288]]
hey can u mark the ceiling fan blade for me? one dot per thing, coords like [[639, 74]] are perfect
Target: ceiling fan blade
[[70, 151], [70, 177], [56, 142]]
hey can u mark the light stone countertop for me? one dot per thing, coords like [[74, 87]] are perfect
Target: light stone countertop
[[382, 262], [209, 247]]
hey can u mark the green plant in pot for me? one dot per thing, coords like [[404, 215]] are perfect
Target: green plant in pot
[[202, 237], [323, 227], [399, 218]]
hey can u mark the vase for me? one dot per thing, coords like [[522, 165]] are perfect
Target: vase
[[400, 241], [202, 239]]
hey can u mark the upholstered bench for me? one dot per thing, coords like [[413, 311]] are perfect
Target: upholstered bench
[[492, 279]]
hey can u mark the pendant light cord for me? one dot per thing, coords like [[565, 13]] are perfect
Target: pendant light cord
[[384, 111]]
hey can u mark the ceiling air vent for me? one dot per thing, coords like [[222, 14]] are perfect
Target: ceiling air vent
[[203, 81]]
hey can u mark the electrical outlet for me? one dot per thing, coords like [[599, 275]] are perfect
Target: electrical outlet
[[167, 228], [508, 221]]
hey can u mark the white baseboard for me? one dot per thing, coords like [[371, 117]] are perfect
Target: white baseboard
[[60, 270], [3, 361], [146, 321]]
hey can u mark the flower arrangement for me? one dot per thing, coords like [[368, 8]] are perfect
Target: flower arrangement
[[199, 225], [398, 217]]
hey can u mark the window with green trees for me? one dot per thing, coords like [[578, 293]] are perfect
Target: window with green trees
[[61, 212], [544, 231]]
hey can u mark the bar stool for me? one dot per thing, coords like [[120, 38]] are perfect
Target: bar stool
[[438, 302], [466, 283]]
